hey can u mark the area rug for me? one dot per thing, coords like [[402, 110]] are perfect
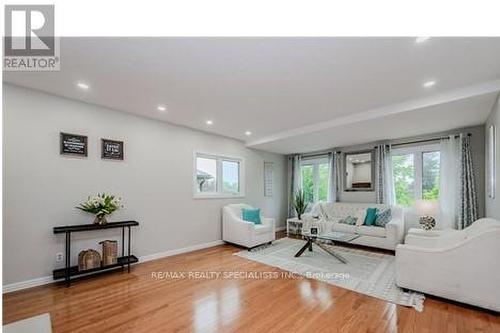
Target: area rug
[[366, 272], [38, 324]]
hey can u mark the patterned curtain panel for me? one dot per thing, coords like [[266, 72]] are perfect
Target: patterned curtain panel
[[384, 183], [294, 181], [334, 176], [457, 194], [468, 197]]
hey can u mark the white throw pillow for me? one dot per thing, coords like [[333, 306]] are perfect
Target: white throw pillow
[[361, 215]]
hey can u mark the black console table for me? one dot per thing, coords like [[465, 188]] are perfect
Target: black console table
[[69, 271]]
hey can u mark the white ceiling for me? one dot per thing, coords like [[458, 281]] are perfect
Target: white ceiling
[[293, 94]]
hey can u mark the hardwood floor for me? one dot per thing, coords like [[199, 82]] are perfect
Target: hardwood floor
[[137, 302]]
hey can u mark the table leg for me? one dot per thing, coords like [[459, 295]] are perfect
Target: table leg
[[123, 243], [336, 255], [128, 250], [311, 246], [68, 258], [308, 244]]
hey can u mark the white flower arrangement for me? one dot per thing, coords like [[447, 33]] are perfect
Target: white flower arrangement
[[101, 204]]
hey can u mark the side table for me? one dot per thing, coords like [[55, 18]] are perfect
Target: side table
[[293, 226]]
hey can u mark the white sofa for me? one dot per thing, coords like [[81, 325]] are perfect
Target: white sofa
[[458, 265], [247, 234], [380, 237]]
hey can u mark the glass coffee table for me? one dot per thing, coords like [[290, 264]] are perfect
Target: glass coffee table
[[329, 236]]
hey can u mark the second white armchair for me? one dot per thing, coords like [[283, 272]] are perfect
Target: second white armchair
[[458, 265]]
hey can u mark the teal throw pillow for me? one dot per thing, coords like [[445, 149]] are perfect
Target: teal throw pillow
[[251, 215], [383, 218], [371, 216], [351, 220]]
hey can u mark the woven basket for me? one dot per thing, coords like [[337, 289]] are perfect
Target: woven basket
[[88, 259], [109, 252]]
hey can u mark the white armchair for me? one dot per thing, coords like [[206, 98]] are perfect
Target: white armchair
[[244, 233], [458, 265]]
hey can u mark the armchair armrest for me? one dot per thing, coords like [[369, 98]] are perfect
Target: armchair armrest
[[426, 233], [438, 241], [242, 223], [395, 229], [268, 220]]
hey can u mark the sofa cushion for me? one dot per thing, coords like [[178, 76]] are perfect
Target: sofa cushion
[[383, 218], [251, 215], [372, 231], [361, 216], [351, 220], [346, 228], [329, 210], [371, 216]]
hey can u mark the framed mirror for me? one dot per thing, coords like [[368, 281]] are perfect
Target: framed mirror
[[359, 168]]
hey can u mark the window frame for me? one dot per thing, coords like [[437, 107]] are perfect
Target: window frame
[[218, 194], [418, 165], [315, 162]]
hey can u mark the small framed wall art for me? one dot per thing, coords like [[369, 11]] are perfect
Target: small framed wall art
[[111, 149], [73, 144], [268, 178]]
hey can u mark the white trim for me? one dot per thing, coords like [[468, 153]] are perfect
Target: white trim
[[393, 109], [216, 195], [27, 284], [48, 279], [491, 156], [174, 252]]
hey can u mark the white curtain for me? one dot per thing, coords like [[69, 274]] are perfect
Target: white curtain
[[334, 176], [383, 176], [390, 192], [294, 181], [449, 189]]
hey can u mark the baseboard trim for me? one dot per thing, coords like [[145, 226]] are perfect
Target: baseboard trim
[[8, 288], [174, 252]]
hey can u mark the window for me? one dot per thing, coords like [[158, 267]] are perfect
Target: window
[[403, 169], [206, 174], [430, 175], [315, 176], [416, 174], [217, 176]]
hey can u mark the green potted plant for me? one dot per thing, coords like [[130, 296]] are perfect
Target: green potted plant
[[101, 205], [299, 203]]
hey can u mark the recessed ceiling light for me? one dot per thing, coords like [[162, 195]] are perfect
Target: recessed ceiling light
[[209, 122], [161, 108], [248, 133], [82, 85], [429, 84], [419, 40]]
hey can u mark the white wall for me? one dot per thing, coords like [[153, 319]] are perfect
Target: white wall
[[41, 188], [493, 205]]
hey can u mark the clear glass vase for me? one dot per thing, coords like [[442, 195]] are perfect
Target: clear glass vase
[[100, 219]]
